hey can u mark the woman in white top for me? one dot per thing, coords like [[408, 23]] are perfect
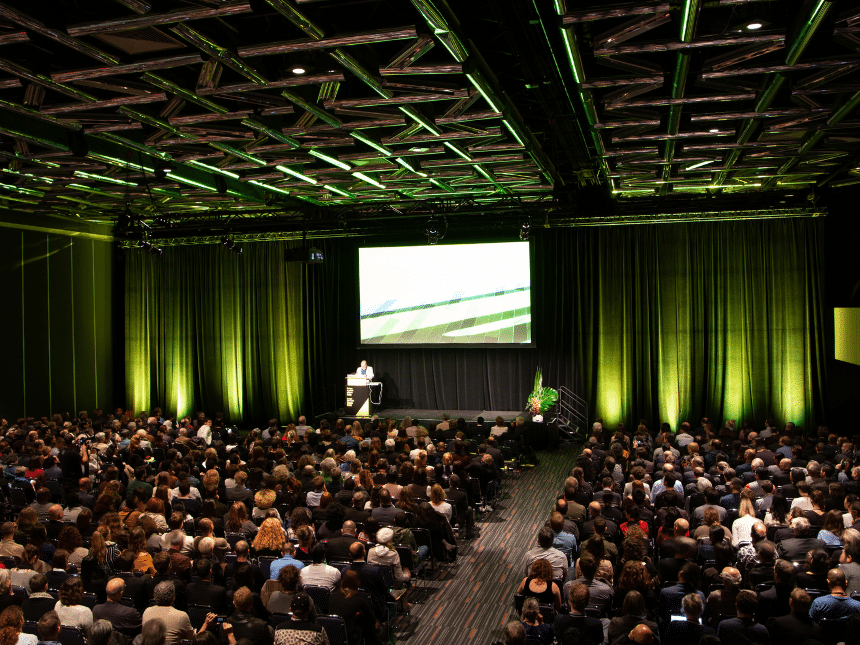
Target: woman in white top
[[11, 624], [742, 527], [437, 501], [500, 428], [68, 607]]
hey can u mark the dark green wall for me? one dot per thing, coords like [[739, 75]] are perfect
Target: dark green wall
[[55, 322]]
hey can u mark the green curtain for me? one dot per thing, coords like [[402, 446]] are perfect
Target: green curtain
[[209, 330], [675, 321]]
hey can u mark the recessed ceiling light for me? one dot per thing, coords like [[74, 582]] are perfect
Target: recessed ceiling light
[[416, 149], [299, 70], [755, 24], [714, 130]]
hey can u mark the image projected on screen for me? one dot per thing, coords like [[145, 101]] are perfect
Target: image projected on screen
[[465, 294]]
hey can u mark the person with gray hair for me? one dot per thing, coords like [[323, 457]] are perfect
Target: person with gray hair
[[176, 622], [532, 622], [154, 633], [125, 619], [795, 549], [721, 602], [515, 633], [688, 630], [101, 633]]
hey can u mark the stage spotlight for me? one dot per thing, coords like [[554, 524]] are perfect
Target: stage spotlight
[[525, 229], [298, 69]]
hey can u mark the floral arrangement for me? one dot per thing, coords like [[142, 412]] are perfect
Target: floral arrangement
[[541, 398]]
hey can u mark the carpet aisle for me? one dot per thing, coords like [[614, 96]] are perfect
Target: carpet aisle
[[471, 602]]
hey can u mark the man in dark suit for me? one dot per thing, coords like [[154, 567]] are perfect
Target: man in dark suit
[[239, 493], [244, 624], [796, 548], [595, 511], [743, 629], [39, 602], [458, 498], [124, 619], [161, 563], [337, 548], [774, 602], [136, 588], [386, 511], [205, 592], [356, 512], [242, 549], [576, 627], [372, 581], [797, 626]]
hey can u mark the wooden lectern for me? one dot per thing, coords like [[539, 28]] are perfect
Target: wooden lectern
[[357, 397]]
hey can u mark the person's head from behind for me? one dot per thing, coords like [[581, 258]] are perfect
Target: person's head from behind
[[783, 572], [288, 578], [100, 633], [579, 596], [634, 604], [545, 537], [690, 574], [71, 591], [38, 583], [154, 631], [301, 605], [515, 633], [243, 599], [799, 601], [693, 606], [746, 603], [49, 627], [164, 594], [588, 566]]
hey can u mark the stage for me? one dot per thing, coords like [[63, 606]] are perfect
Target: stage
[[426, 416]]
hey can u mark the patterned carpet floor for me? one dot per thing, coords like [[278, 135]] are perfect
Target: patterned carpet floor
[[471, 601]]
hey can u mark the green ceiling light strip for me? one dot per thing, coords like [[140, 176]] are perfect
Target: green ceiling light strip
[[481, 84], [215, 169], [442, 30], [355, 67], [296, 174], [223, 147], [166, 191], [155, 122], [110, 180], [403, 162], [338, 191], [93, 189], [39, 79], [799, 43], [288, 11], [25, 191], [458, 149], [329, 159], [368, 179], [134, 145], [190, 182], [420, 119], [268, 187], [519, 136], [442, 185], [358, 136], [28, 175], [316, 110], [689, 13], [78, 200], [219, 53], [20, 109], [31, 138], [270, 132], [97, 156], [182, 93]]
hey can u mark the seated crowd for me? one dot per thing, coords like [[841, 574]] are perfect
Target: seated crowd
[[161, 532], [710, 535]]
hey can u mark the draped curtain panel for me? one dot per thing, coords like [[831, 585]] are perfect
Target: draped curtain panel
[[209, 330], [663, 322], [675, 321]]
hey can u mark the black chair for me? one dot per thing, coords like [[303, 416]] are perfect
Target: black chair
[[72, 636], [265, 564], [335, 629], [233, 538], [197, 614], [9, 561], [31, 627], [407, 559], [20, 593], [319, 595], [276, 619], [834, 630], [89, 600], [422, 538]]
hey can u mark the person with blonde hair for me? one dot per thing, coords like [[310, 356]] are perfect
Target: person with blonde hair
[[742, 527], [437, 501], [264, 500], [270, 539]]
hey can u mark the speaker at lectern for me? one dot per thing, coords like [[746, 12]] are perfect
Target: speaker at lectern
[[357, 397]]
